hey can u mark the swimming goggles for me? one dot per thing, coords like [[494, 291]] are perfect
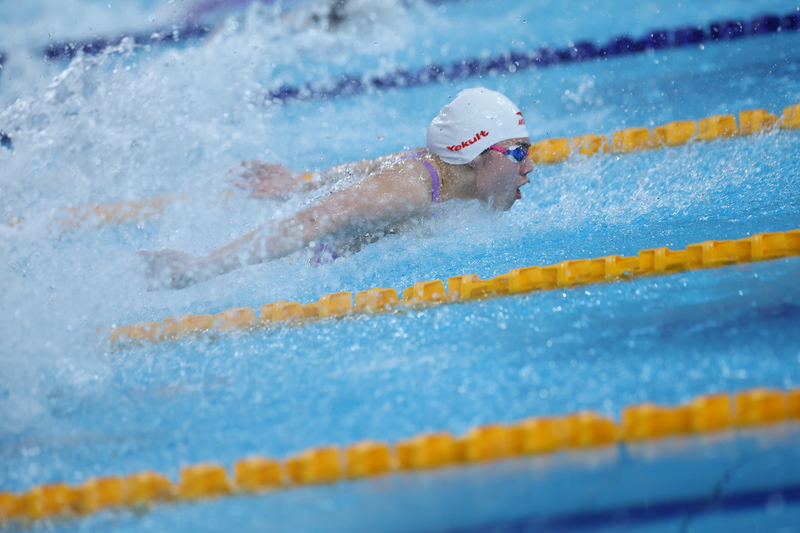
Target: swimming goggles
[[518, 154]]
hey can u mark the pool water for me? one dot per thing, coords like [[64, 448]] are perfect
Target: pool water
[[139, 122]]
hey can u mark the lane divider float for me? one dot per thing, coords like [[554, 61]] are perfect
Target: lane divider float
[[569, 273], [624, 44], [547, 151], [163, 36], [705, 414], [671, 134], [546, 56]]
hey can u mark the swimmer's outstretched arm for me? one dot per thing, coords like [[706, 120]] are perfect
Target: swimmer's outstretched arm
[[268, 180], [381, 200]]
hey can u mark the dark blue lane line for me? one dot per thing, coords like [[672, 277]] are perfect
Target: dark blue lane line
[[163, 36], [465, 68], [639, 515], [546, 56], [171, 35]]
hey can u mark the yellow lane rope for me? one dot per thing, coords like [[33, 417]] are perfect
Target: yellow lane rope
[[328, 464], [548, 151], [569, 273]]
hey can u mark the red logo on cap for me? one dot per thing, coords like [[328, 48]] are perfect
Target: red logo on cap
[[521, 119], [464, 144]]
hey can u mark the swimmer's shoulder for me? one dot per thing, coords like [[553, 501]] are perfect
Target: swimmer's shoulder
[[396, 165], [405, 155]]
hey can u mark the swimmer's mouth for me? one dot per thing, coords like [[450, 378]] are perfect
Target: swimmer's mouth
[[519, 194]]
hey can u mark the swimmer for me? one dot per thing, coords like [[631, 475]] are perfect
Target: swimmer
[[328, 15], [476, 149]]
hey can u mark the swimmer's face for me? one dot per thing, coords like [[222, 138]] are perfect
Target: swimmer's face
[[500, 177]]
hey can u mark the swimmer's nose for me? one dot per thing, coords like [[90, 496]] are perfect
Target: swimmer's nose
[[525, 168]]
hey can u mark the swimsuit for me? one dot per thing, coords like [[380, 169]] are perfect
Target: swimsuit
[[325, 253]]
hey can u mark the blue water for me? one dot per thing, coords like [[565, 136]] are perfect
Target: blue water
[[140, 123]]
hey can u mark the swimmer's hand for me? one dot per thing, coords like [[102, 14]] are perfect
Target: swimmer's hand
[[266, 180], [171, 269]]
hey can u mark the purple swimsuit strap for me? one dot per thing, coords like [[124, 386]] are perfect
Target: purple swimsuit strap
[[434, 181], [435, 185]]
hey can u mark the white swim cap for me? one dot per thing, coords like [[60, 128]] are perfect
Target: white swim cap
[[471, 123]]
